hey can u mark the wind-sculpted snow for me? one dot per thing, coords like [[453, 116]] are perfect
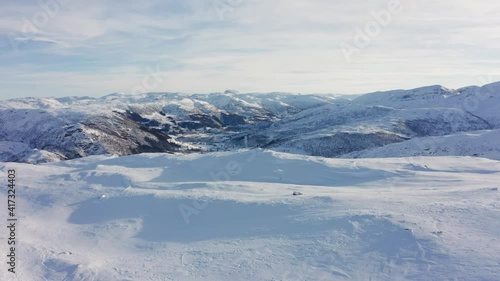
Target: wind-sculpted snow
[[48, 129], [233, 216]]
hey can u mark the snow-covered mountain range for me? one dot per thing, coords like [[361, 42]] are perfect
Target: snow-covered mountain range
[[421, 121]]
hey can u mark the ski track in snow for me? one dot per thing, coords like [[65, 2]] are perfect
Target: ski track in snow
[[232, 216]]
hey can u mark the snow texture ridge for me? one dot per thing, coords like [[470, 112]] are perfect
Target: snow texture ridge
[[233, 216]]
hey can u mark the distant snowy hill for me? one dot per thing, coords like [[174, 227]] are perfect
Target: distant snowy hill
[[382, 118], [47, 129]]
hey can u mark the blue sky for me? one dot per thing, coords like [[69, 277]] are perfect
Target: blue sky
[[93, 48]]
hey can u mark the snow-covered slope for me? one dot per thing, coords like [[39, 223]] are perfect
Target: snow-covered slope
[[481, 101], [65, 132], [382, 118], [478, 143], [232, 216]]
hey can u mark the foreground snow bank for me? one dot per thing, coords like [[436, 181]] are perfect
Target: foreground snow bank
[[232, 216]]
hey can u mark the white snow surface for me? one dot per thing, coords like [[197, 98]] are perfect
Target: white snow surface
[[232, 216], [482, 143]]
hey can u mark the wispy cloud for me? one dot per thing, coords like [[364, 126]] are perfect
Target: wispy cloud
[[64, 47]]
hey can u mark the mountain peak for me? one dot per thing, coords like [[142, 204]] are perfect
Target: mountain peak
[[231, 92]]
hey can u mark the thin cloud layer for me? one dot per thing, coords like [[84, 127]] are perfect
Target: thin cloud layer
[[75, 47]]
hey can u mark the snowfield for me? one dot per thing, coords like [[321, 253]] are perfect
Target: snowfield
[[232, 216]]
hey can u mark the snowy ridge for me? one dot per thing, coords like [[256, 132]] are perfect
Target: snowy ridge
[[382, 118]]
